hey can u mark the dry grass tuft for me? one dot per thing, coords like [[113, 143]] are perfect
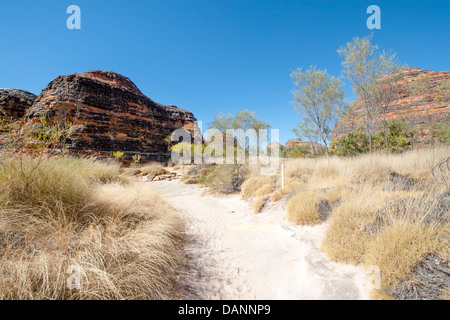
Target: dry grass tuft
[[253, 185], [152, 169], [276, 196], [338, 193], [124, 239], [398, 249], [327, 173], [352, 226], [291, 186], [259, 204], [302, 209], [264, 190]]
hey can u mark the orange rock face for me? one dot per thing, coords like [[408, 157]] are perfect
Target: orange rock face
[[422, 99], [111, 114], [300, 143]]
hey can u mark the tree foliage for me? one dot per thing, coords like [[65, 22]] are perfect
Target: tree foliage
[[242, 120], [357, 142], [319, 97], [368, 70]]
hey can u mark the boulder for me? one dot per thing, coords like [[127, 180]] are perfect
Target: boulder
[[15, 103]]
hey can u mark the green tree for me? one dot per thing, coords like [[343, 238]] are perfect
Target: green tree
[[363, 66], [244, 120], [319, 97], [386, 89]]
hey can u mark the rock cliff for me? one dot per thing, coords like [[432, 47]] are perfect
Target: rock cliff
[[111, 114], [422, 98]]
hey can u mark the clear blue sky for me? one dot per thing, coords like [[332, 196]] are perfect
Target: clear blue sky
[[208, 56]]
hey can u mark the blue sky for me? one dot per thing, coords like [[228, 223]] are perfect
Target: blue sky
[[211, 56]]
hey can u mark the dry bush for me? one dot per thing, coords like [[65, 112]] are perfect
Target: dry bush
[[125, 239], [252, 185], [258, 204], [302, 209]]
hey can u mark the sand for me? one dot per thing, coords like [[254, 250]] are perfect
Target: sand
[[235, 254]]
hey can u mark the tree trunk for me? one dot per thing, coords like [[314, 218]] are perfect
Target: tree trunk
[[386, 140]]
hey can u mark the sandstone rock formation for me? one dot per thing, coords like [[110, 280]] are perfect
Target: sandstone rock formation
[[14, 103], [111, 115], [292, 143], [422, 98]]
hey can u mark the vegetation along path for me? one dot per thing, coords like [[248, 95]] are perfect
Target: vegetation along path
[[235, 254]]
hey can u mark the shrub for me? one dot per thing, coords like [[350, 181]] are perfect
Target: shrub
[[118, 155], [441, 131], [354, 143], [136, 159]]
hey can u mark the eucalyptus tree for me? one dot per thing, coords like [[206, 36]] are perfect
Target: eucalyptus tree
[[367, 72], [319, 97]]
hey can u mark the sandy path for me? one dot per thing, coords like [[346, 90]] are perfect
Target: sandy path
[[235, 254]]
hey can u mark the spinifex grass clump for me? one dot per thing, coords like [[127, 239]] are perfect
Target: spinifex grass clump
[[125, 241]]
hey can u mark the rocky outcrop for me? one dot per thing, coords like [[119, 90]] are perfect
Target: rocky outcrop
[[300, 143], [14, 103], [275, 144], [421, 98], [111, 114]]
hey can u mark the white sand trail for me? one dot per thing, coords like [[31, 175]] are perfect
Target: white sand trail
[[235, 254]]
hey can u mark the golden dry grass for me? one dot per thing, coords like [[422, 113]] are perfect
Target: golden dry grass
[[276, 196], [302, 209], [347, 236], [263, 190], [259, 204], [253, 185], [338, 193], [148, 169], [381, 295], [398, 248], [375, 221], [291, 186], [125, 240], [327, 173]]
